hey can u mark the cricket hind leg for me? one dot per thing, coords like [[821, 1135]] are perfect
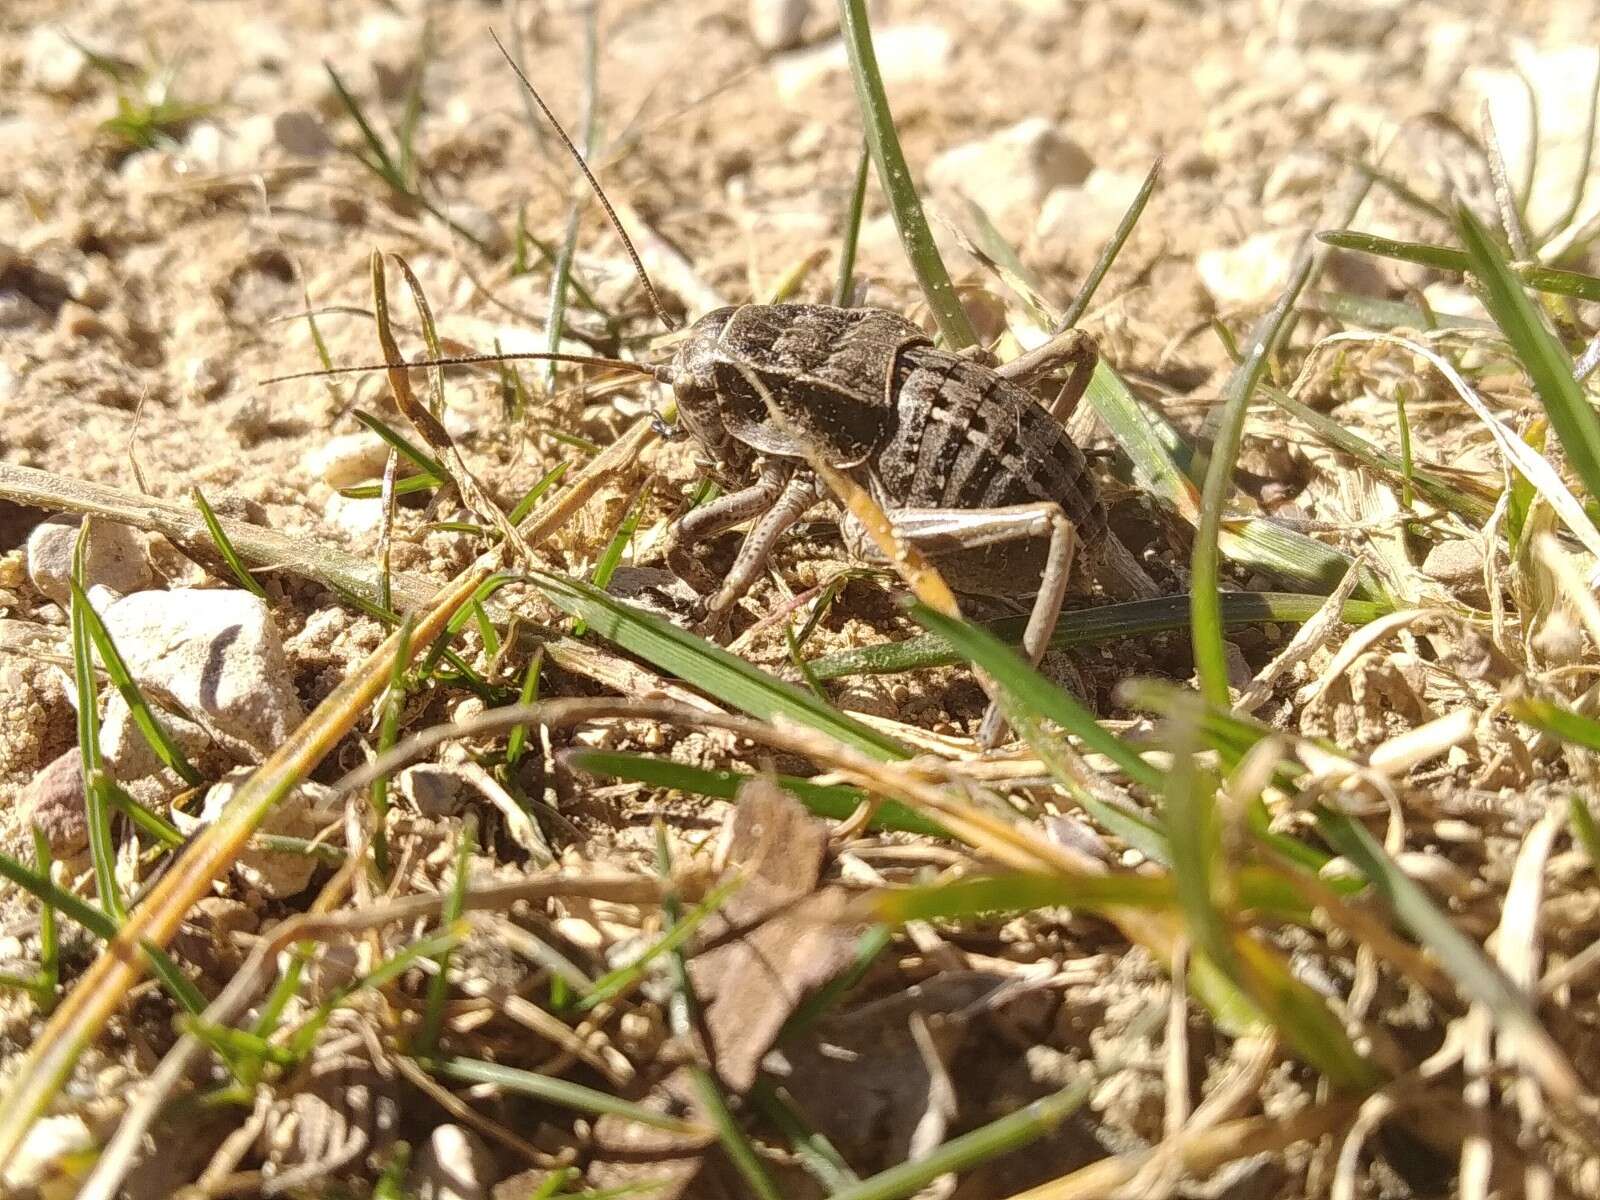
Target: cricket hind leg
[[947, 532], [1071, 348]]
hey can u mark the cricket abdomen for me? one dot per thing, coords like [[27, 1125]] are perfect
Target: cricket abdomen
[[965, 437]]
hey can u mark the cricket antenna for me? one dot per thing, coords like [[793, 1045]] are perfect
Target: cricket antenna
[[594, 184], [659, 373]]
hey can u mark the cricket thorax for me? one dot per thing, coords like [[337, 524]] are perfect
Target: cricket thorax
[[823, 371]]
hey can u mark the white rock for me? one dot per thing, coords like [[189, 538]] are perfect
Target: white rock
[[358, 520], [217, 654], [1338, 22], [776, 24], [1251, 272], [1561, 80], [1082, 219], [454, 1165], [348, 459], [908, 53], [114, 559], [433, 789], [131, 761], [40, 1162], [1010, 172], [53, 64]]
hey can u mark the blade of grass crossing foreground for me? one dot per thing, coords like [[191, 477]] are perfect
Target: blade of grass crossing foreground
[[454, 905], [225, 547], [1447, 258], [160, 742], [1124, 230], [96, 784], [1087, 626], [895, 176], [1010, 1132], [850, 235], [394, 702], [49, 934], [712, 669], [834, 802], [1211, 661], [611, 556], [1542, 356], [556, 1091], [1473, 972]]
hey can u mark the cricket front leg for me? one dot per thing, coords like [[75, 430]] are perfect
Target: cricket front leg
[[695, 527], [796, 498], [933, 530], [1071, 348]]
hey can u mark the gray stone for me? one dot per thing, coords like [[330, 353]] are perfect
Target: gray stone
[[1354, 23], [1010, 172], [114, 560], [53, 800], [53, 64]]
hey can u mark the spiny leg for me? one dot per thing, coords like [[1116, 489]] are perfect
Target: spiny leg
[[1071, 348], [723, 513], [799, 495], [936, 529]]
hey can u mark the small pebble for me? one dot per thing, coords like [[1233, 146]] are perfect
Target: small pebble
[[453, 1165], [53, 800], [777, 24]]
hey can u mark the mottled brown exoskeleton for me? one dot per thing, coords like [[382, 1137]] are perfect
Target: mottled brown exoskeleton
[[966, 463]]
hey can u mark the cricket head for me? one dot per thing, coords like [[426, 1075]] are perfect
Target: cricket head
[[693, 375]]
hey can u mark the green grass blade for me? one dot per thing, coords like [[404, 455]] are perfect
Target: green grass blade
[[1032, 693], [1466, 963], [832, 801], [1088, 626], [850, 234], [547, 481], [1584, 830], [225, 547], [393, 705], [1195, 838], [380, 162], [1433, 488], [895, 176], [614, 983], [725, 676], [517, 739], [49, 934], [1375, 313], [160, 742], [408, 450], [555, 1091], [454, 904], [1205, 608], [1447, 258], [1560, 722], [611, 556], [1140, 439], [1108, 256], [1541, 355], [1023, 892], [96, 784], [1010, 1132]]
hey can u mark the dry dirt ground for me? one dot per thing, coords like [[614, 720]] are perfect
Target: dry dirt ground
[[146, 289]]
